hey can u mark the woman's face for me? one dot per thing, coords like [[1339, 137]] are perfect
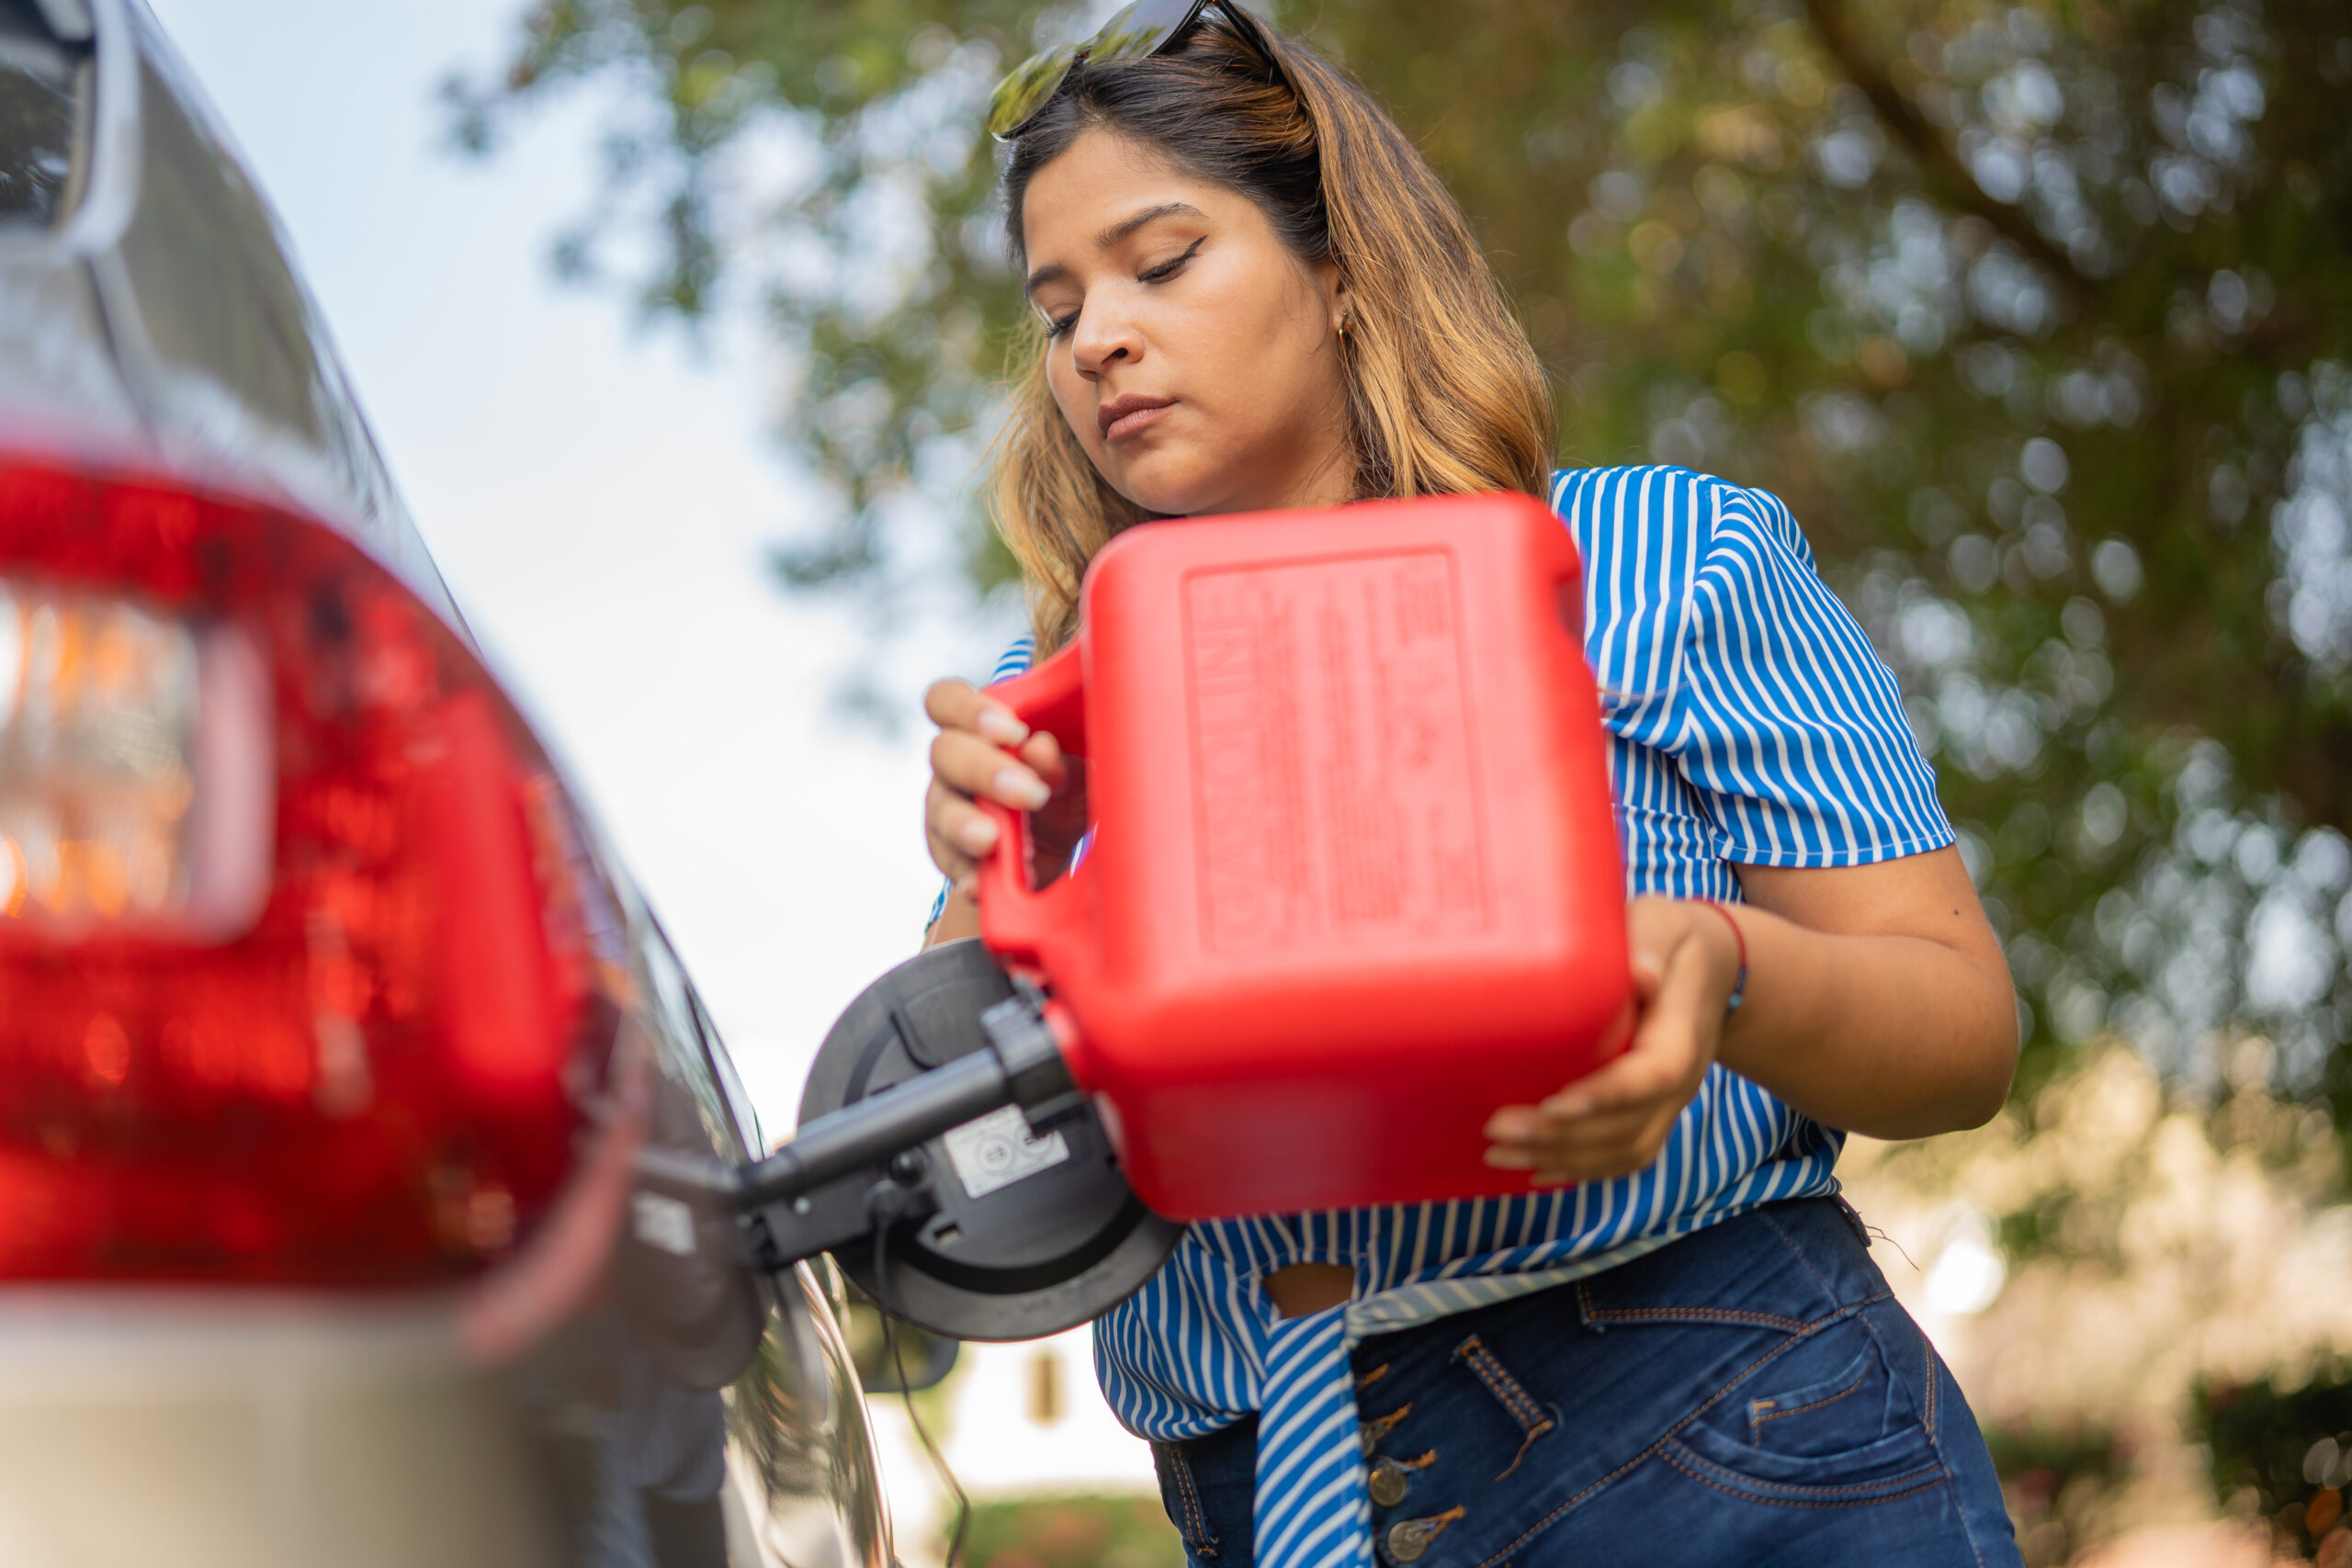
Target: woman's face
[[1195, 356]]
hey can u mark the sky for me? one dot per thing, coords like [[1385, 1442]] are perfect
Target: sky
[[600, 495], [599, 492]]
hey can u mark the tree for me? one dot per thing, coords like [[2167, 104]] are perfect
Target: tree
[[2038, 315]]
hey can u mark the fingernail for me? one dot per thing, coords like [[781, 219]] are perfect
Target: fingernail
[[1507, 1159], [1566, 1105], [1018, 786], [1002, 728], [978, 835]]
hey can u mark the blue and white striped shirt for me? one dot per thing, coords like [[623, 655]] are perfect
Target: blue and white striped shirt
[[1750, 723]]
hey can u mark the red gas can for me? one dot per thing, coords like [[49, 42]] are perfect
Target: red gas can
[[1354, 880]]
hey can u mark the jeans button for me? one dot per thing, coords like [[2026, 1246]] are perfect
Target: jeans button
[[1408, 1540], [1388, 1486]]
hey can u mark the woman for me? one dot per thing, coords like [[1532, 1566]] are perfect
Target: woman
[[1254, 294]]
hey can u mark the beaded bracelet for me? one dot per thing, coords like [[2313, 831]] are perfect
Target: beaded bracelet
[[1739, 985]]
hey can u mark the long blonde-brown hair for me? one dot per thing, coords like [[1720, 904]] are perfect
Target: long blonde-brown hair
[[1444, 394]]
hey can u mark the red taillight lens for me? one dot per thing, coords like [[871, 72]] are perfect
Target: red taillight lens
[[294, 974]]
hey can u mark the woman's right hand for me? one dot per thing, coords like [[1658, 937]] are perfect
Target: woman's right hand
[[982, 750]]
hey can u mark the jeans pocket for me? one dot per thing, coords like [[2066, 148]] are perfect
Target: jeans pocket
[[1846, 1410], [1827, 1422]]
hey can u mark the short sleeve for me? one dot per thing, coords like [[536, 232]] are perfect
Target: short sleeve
[[1015, 659], [1783, 717]]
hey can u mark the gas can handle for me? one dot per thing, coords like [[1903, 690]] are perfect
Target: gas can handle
[[1018, 923]]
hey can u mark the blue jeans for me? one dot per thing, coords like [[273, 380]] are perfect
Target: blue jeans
[[1748, 1395]]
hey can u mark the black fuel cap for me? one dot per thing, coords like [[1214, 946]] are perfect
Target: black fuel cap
[[1034, 1233]]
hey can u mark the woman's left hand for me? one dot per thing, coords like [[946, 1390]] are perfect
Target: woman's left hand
[[1616, 1119]]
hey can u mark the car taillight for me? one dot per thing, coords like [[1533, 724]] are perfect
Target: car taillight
[[297, 979], [135, 747]]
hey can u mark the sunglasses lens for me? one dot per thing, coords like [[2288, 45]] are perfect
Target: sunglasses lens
[[1141, 29], [1019, 97]]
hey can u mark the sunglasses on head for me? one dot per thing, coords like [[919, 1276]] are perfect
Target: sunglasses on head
[[1139, 31]]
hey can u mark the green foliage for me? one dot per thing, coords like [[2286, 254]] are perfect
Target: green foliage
[[1073, 1532], [2052, 1480], [826, 159], [2289, 1449], [2038, 314]]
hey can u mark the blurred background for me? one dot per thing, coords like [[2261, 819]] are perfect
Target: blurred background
[[680, 326]]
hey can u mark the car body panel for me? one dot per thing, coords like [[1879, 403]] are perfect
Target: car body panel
[[254, 1432], [597, 1396]]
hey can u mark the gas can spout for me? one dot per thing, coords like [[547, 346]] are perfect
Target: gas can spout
[[1024, 1042]]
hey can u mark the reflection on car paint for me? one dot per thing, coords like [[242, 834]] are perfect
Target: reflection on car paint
[[619, 1404]]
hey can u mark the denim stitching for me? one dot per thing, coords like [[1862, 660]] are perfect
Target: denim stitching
[[1892, 1358], [1196, 1526], [1927, 1423], [1772, 1412], [1540, 1526], [1805, 1331], [1684, 1315], [1799, 1334], [1206, 1542], [1534, 1420], [1769, 1357], [1927, 1358], [1503, 1387], [1935, 1477], [1380, 1426]]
